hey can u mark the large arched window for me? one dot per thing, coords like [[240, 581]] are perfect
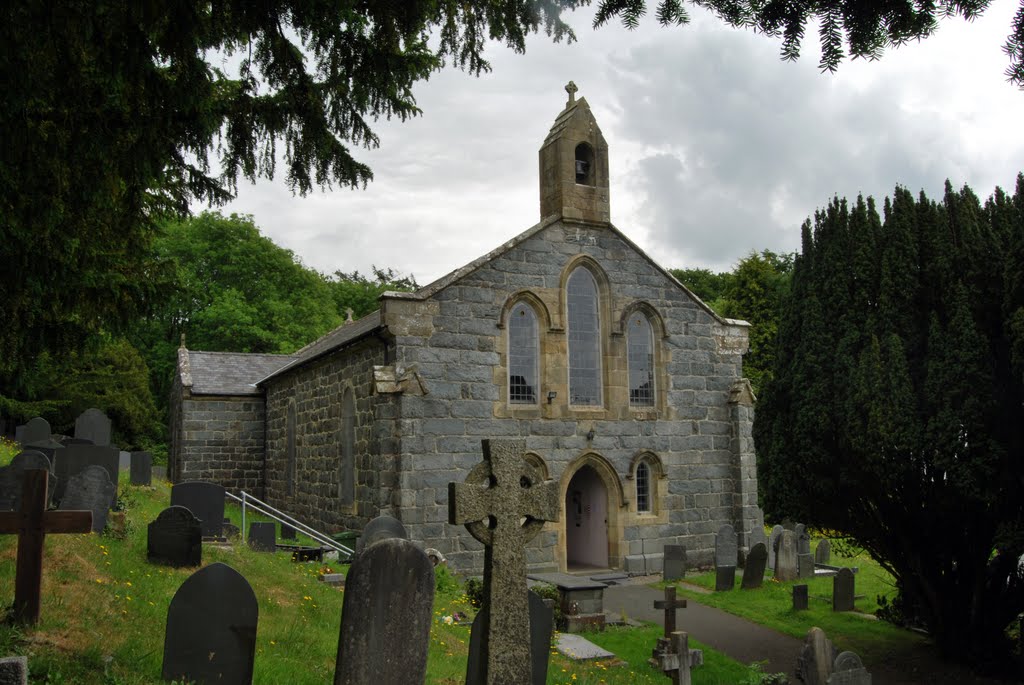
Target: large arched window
[[347, 458], [643, 487], [523, 354], [640, 344], [289, 449], [584, 339]]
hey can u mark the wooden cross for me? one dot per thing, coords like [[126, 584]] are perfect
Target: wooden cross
[[676, 663], [32, 524], [669, 605], [504, 504]]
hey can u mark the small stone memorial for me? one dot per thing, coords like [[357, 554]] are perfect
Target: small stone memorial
[[675, 663], [36, 430], [74, 459], [141, 468], [823, 552], [12, 477], [753, 572], [788, 524], [211, 628], [14, 670], [263, 536], [287, 532], [669, 605], [814, 665], [381, 528], [773, 545], [755, 536], [803, 539], [206, 501], [90, 489], [726, 551], [675, 563], [93, 425], [842, 590], [849, 670], [805, 565], [175, 538], [786, 558], [799, 598], [542, 623], [386, 615]]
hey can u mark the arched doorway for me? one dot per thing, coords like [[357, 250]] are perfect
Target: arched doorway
[[586, 520]]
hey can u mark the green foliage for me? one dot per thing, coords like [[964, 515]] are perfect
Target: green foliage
[[8, 450], [704, 283], [894, 413], [360, 294], [757, 676], [444, 580], [475, 592]]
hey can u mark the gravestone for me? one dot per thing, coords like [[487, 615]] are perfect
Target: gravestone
[[287, 532], [211, 628], [124, 461], [803, 539], [753, 572], [849, 670], [175, 538], [814, 665], [805, 565], [726, 551], [755, 536], [12, 477], [381, 528], [141, 469], [93, 424], [542, 623], [31, 523], [823, 552], [263, 536], [668, 606], [799, 598], [74, 459], [676, 663], [14, 670], [206, 501], [675, 563], [788, 524], [785, 557], [386, 615], [773, 545], [19, 434], [90, 489], [515, 500], [36, 430], [842, 590]]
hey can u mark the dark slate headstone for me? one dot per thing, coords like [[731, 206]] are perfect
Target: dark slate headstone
[[287, 532], [90, 489], [386, 615], [725, 578], [823, 552], [785, 557], [805, 565], [175, 538], [773, 545], [753, 572], [206, 501], [19, 434], [381, 528], [726, 549], [675, 562], [799, 598], [11, 477], [842, 590], [849, 670], [803, 539], [211, 628], [263, 536], [93, 425], [74, 459], [542, 622], [141, 469], [36, 430], [755, 536]]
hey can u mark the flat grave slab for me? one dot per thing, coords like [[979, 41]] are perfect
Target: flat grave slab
[[564, 581], [610, 578], [580, 649]]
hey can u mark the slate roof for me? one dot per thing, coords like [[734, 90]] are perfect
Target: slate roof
[[229, 373]]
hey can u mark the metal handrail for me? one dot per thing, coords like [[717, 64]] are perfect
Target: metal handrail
[[262, 507]]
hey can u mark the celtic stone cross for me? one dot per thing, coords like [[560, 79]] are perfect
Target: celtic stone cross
[[504, 504], [571, 89]]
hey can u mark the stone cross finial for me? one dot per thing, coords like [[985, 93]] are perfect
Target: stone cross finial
[[348, 315], [571, 89], [498, 494]]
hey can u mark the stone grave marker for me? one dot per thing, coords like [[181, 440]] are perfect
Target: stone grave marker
[[842, 590], [211, 628], [386, 615], [14, 670], [124, 461], [726, 551], [668, 606], [504, 503], [799, 598], [287, 532], [849, 670], [814, 665], [206, 501], [785, 557], [263, 536], [90, 489], [74, 459], [788, 524], [823, 552], [36, 430], [755, 536], [175, 538], [542, 623], [773, 545], [31, 523], [381, 528], [753, 572], [805, 565], [675, 562], [676, 663], [803, 539], [19, 434], [93, 424], [12, 477], [141, 468]]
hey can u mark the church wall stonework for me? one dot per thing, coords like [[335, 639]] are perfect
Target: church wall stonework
[[219, 440]]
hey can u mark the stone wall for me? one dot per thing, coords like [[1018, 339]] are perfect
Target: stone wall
[[219, 439]]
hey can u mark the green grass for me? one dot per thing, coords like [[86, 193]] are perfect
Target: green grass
[[8, 449]]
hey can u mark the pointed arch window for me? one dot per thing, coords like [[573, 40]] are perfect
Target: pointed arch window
[[347, 458], [523, 354], [640, 345], [584, 339], [643, 487]]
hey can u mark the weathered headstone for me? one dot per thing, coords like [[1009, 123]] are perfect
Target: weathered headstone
[[773, 545], [36, 430], [11, 477], [31, 523], [14, 670], [755, 536], [19, 434], [805, 565], [90, 489], [788, 524], [785, 557], [263, 536], [211, 628], [175, 538], [381, 528], [504, 503], [823, 552], [842, 590], [799, 598], [124, 461], [814, 665], [803, 539], [141, 469], [386, 615], [287, 532], [93, 424], [74, 459], [726, 551], [753, 572], [676, 663], [206, 501], [849, 670], [542, 623], [675, 563]]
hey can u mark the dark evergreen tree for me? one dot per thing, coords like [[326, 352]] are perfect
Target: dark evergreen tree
[[895, 414]]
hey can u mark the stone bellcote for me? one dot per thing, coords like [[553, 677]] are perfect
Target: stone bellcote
[[574, 165]]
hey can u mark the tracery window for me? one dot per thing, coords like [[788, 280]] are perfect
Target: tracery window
[[584, 339], [643, 487], [640, 345], [347, 461], [523, 355]]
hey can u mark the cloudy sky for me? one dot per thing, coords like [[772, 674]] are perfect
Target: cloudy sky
[[717, 147]]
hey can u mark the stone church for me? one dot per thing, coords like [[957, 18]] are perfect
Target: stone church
[[625, 387]]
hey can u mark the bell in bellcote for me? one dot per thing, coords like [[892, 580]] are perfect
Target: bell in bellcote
[[582, 167]]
